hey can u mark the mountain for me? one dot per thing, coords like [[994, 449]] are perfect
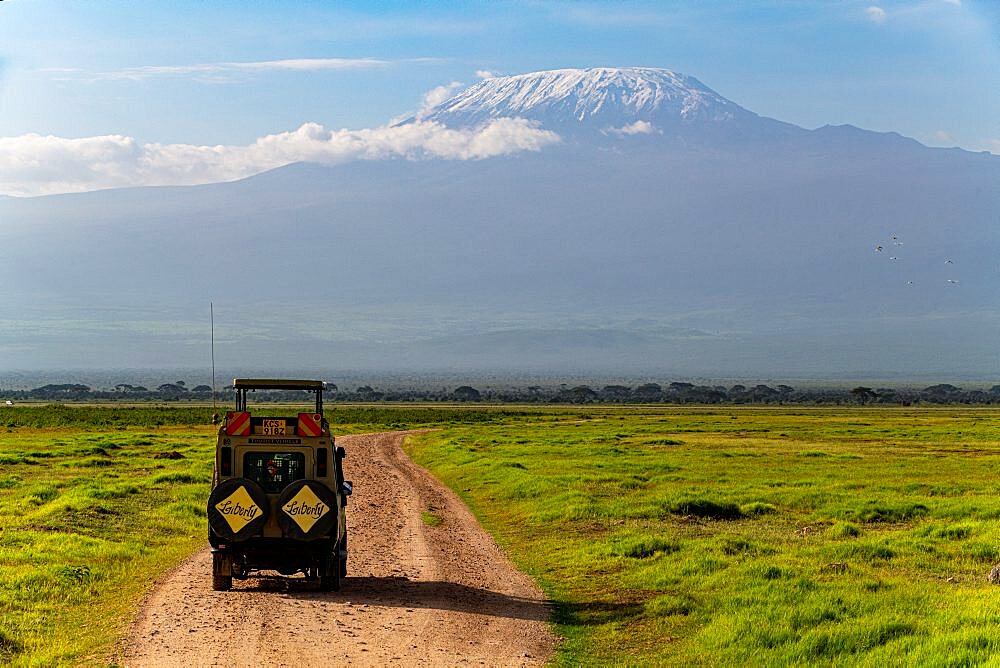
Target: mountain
[[598, 97], [608, 101], [670, 231]]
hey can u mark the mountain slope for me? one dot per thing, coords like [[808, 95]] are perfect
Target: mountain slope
[[620, 102], [597, 253]]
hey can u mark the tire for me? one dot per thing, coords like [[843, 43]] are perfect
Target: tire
[[242, 529], [321, 526], [329, 572], [222, 582], [331, 582]]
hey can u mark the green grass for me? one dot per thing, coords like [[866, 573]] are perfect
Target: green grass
[[768, 536], [90, 515], [663, 536], [89, 519], [431, 519]]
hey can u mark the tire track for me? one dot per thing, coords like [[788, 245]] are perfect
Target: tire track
[[415, 595]]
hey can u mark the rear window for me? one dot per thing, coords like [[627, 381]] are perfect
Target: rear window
[[274, 470]]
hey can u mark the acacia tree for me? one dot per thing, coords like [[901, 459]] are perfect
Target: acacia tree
[[863, 394]]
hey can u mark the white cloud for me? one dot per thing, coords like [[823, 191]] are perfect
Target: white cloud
[[485, 74], [219, 71], [436, 96], [637, 128], [942, 137], [876, 14], [39, 165]]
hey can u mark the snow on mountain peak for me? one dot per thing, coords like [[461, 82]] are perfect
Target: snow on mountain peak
[[605, 97]]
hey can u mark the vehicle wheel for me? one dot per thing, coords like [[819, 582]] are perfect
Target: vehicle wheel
[[245, 505], [222, 582], [314, 528], [330, 582]]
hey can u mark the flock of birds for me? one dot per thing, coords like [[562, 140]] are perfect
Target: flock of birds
[[897, 243]]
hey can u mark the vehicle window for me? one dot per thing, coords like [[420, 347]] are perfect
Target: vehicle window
[[274, 470]]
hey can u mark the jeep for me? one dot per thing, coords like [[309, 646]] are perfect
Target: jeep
[[278, 494]]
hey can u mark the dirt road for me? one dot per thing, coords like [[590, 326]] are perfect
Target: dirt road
[[415, 594]]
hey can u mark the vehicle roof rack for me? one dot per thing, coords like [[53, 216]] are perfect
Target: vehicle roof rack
[[277, 384]]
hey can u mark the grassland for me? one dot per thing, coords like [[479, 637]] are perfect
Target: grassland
[[766, 537], [97, 501], [90, 518], [663, 535]]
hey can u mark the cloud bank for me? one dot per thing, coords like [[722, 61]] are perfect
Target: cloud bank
[[436, 96], [34, 164], [219, 69]]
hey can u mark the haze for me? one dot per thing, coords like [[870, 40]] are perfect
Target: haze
[[779, 191]]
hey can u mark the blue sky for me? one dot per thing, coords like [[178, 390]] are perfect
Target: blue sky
[[227, 73]]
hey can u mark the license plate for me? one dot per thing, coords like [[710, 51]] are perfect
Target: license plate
[[273, 427]]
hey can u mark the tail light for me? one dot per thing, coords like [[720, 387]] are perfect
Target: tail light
[[321, 469], [226, 461]]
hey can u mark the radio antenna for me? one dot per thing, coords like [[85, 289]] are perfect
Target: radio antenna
[[211, 311]]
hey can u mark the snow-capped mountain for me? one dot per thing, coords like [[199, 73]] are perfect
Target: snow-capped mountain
[[633, 100], [678, 229]]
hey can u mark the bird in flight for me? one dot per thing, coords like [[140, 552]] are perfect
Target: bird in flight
[[953, 281], [878, 249], [948, 262]]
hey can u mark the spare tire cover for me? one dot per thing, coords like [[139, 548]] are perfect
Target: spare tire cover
[[237, 509], [307, 510]]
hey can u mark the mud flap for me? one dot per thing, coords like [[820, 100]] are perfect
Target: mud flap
[[222, 564]]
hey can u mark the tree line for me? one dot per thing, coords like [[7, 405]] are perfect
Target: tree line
[[674, 393]]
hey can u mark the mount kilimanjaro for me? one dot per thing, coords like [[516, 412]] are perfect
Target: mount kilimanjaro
[[669, 230]]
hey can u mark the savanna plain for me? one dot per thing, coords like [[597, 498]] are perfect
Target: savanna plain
[[662, 535]]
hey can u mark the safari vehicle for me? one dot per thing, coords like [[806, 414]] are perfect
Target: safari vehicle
[[278, 493]]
